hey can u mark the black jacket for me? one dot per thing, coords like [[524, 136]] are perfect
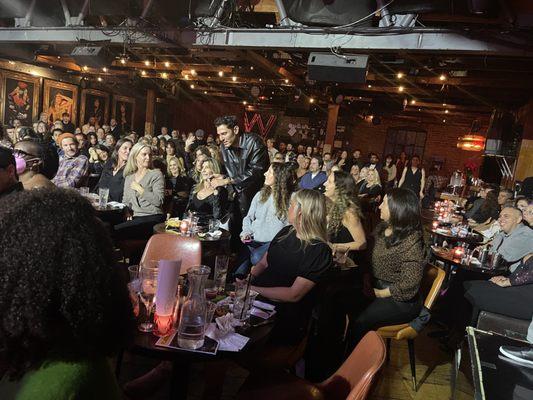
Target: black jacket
[[246, 163], [115, 183]]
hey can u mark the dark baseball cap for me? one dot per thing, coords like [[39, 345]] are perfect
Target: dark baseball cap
[[6, 157]]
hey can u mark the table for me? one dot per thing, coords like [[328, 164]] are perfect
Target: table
[[210, 246], [473, 238], [495, 376], [144, 344], [448, 257]]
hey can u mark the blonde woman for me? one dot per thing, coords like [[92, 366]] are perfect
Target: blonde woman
[[205, 199], [144, 192], [178, 185], [371, 186], [296, 260], [345, 229]]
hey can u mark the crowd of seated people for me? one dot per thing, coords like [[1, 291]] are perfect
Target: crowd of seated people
[[288, 229]]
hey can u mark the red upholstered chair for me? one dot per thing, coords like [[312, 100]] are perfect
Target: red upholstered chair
[[168, 246], [352, 381]]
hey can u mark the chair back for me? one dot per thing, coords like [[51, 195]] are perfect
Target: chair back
[[354, 378], [169, 246], [431, 284]]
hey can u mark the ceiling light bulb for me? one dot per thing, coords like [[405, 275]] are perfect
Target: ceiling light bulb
[[400, 88], [85, 68], [123, 60], [399, 75], [446, 111], [143, 73], [311, 100], [164, 75], [444, 104], [167, 64], [205, 91], [413, 101], [251, 67], [186, 76], [147, 63], [443, 120], [104, 69], [245, 102], [220, 73], [286, 81], [192, 86], [193, 72], [369, 86], [99, 79], [442, 77], [234, 78], [260, 80]]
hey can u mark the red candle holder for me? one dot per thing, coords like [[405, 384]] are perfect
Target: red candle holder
[[435, 224], [163, 324]]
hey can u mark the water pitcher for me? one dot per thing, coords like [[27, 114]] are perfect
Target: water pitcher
[[191, 328]]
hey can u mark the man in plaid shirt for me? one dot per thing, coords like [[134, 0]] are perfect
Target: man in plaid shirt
[[73, 166]]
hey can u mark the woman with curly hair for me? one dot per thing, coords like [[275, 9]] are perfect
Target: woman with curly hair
[[267, 214], [64, 307], [345, 230]]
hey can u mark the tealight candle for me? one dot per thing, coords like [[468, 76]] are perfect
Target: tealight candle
[[435, 224], [458, 252], [184, 227]]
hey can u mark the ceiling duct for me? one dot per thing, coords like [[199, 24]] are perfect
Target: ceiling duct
[[330, 13]]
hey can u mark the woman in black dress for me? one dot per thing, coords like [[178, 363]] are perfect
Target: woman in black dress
[[178, 186], [205, 200]]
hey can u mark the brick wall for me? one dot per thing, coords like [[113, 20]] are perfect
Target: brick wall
[[441, 140]]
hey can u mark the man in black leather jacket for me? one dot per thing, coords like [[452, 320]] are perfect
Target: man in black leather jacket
[[246, 160]]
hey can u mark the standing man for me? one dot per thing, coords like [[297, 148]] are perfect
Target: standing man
[[115, 129], [164, 133], [246, 160], [271, 149], [73, 166], [68, 126]]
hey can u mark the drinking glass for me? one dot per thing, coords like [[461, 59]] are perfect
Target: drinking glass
[[193, 227], [242, 307], [210, 308], [210, 289], [340, 256], [214, 225], [103, 196], [148, 278], [221, 272]]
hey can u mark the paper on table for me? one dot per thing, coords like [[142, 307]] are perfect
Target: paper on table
[[264, 306], [262, 313], [167, 283], [229, 342]]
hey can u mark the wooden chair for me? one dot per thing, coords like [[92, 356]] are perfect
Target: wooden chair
[[429, 288], [352, 381], [168, 246]]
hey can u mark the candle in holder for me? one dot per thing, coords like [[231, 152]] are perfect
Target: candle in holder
[[458, 252], [435, 224], [184, 227]]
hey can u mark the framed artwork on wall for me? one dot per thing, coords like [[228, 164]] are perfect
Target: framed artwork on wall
[[20, 98], [94, 107], [59, 98], [124, 111]]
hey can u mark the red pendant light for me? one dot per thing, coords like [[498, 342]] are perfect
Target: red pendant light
[[471, 142]]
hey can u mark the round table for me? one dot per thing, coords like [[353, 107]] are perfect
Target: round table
[[211, 246], [448, 257], [473, 238], [144, 344]]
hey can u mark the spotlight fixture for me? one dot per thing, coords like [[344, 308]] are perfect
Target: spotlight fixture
[[234, 78], [221, 73], [104, 69], [400, 88], [192, 86], [147, 63], [167, 64], [399, 75], [442, 77]]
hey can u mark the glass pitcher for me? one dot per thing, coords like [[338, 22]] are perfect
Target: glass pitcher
[[191, 328]]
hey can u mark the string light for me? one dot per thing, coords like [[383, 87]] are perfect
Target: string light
[[167, 64], [193, 72], [186, 76], [260, 80], [234, 78], [413, 101], [286, 81], [244, 102], [192, 86], [442, 77], [446, 111], [85, 68], [369, 86], [123, 60], [147, 63], [311, 100], [104, 69], [251, 67], [11, 62], [443, 120], [399, 75], [205, 91], [99, 79], [143, 73], [164, 75], [400, 88], [221, 73]]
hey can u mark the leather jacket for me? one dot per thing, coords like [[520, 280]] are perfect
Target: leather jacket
[[246, 163]]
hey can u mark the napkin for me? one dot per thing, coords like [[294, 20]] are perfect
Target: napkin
[[167, 283], [116, 204], [226, 342], [262, 313], [264, 306]]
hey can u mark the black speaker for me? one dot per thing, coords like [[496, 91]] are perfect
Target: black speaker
[[329, 13], [329, 67]]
